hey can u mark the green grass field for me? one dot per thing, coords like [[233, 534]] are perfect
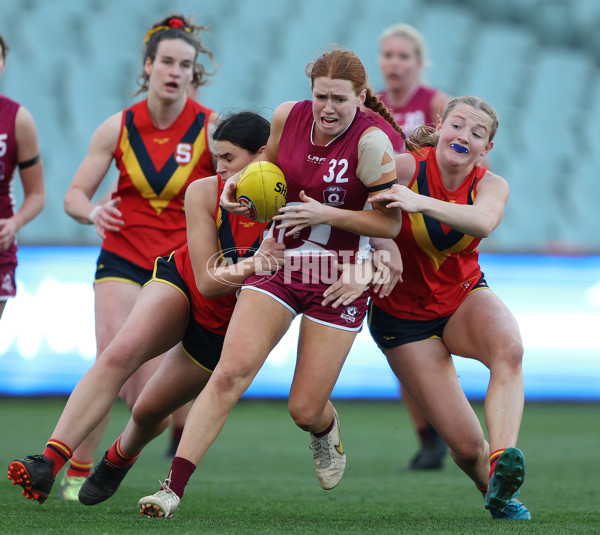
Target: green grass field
[[259, 477]]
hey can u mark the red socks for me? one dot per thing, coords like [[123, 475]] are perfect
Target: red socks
[[494, 459], [181, 471], [116, 457], [57, 452], [79, 468]]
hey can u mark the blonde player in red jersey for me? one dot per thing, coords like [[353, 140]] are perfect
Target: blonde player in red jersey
[[170, 309], [332, 156], [444, 307], [19, 148], [402, 61], [159, 145]]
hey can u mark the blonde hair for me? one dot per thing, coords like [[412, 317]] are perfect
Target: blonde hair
[[410, 33], [426, 136]]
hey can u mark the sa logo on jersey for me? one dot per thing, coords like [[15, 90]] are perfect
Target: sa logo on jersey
[[183, 153]]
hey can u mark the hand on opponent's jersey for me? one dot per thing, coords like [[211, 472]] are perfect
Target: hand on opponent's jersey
[[270, 257], [353, 281], [387, 269], [399, 196]]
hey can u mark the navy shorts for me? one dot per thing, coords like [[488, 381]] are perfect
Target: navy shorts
[[201, 345], [112, 267], [389, 331]]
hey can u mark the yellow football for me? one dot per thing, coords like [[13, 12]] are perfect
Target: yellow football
[[262, 189]]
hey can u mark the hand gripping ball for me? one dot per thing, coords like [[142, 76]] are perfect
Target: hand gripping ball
[[262, 189]]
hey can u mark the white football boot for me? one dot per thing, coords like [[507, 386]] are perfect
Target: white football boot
[[329, 456]]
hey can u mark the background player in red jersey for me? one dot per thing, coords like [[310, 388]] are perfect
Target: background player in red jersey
[[449, 203], [169, 309], [330, 151], [19, 147], [160, 146]]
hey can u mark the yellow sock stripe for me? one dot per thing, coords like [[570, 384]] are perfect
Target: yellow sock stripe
[[495, 455], [78, 465], [60, 446], [120, 452]]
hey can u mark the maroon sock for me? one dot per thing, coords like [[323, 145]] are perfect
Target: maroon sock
[[323, 433], [181, 471], [422, 432], [176, 433], [58, 453]]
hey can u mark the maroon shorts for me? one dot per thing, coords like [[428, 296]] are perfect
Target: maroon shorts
[[305, 298], [8, 282]]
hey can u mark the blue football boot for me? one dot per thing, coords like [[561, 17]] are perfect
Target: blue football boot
[[514, 510], [505, 482]]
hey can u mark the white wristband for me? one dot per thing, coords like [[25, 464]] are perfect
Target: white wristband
[[94, 213]]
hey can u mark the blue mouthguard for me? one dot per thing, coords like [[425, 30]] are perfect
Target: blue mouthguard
[[459, 148]]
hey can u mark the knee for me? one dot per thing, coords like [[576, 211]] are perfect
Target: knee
[[230, 380], [510, 356], [304, 414], [146, 415], [469, 450]]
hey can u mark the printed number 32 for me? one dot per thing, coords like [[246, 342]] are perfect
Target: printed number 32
[[342, 165]]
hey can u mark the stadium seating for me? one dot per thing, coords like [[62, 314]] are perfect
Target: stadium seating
[[75, 63]]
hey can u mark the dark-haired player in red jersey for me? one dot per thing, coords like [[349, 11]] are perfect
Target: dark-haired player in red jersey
[[332, 155], [19, 148], [444, 307], [160, 146], [189, 299]]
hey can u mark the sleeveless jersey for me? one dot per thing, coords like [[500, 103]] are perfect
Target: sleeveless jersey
[[238, 238], [416, 112], [156, 166], [327, 174], [441, 265], [8, 162]]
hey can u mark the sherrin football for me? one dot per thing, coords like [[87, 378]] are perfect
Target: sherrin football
[[263, 189]]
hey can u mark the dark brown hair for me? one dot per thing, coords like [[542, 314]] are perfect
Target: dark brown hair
[[176, 27], [245, 129]]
